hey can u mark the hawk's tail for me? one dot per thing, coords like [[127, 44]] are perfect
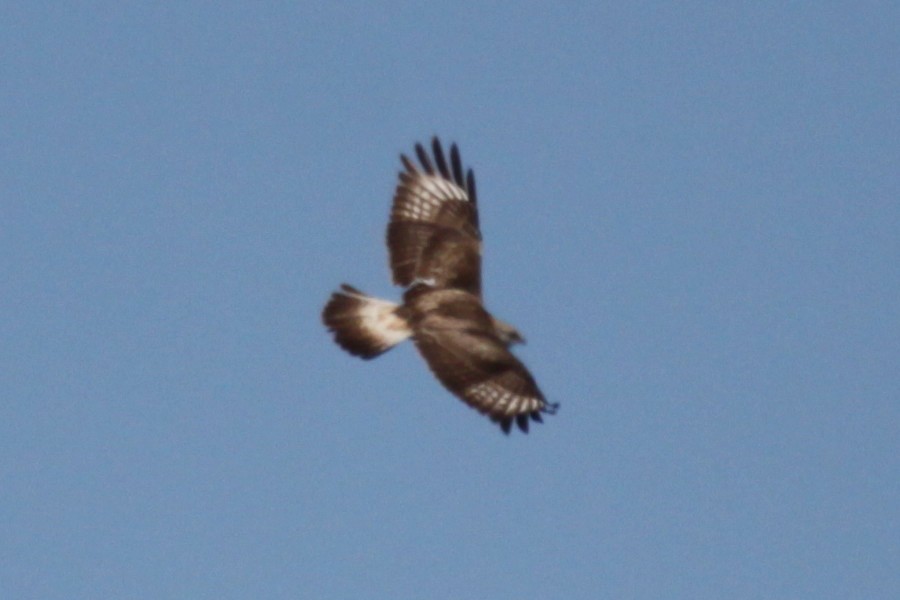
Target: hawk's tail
[[362, 325]]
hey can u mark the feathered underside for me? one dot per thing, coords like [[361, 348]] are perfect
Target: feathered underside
[[362, 325], [434, 243], [458, 339], [433, 232]]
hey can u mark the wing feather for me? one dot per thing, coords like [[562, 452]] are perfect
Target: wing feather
[[433, 233], [423, 158], [439, 159], [433, 237], [457, 168], [473, 364]]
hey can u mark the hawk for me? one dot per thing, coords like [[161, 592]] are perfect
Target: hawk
[[434, 244]]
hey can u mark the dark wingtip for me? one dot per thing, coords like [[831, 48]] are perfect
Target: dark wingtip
[[439, 159], [522, 422], [408, 164], [456, 163], [423, 158]]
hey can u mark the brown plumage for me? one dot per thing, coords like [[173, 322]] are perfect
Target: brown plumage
[[433, 232], [434, 243]]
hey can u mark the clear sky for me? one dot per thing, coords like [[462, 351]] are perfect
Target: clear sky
[[691, 211]]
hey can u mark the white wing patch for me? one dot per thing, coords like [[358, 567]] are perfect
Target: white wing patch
[[498, 400], [426, 195]]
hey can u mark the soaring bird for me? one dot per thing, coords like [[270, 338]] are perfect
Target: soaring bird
[[434, 243]]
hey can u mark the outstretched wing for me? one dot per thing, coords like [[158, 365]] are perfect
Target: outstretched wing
[[433, 233], [470, 360]]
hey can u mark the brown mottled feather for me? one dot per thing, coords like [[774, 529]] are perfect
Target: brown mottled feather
[[456, 338], [434, 242], [433, 231], [362, 325]]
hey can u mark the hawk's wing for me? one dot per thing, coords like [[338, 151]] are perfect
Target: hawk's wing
[[433, 233], [470, 360]]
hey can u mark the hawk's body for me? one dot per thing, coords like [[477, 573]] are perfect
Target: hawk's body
[[435, 252]]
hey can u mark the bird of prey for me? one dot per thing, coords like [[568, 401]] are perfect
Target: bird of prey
[[434, 244]]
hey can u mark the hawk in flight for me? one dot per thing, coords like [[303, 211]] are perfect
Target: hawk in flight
[[435, 253]]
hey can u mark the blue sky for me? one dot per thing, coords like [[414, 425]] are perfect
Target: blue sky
[[691, 211]]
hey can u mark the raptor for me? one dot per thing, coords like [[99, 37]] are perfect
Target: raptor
[[434, 242]]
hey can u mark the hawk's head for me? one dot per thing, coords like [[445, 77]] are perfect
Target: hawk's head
[[508, 334]]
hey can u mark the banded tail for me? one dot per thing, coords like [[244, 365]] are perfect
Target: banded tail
[[363, 325]]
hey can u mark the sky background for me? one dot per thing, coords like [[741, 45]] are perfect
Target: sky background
[[691, 211]]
